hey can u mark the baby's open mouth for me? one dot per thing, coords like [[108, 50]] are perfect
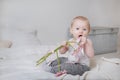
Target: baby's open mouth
[[80, 36]]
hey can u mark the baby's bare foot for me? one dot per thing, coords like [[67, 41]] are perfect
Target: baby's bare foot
[[60, 73]]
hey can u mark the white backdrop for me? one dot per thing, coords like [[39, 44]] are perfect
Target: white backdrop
[[52, 18]]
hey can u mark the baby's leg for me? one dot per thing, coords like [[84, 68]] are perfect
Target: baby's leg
[[45, 66], [55, 62], [74, 68], [53, 66]]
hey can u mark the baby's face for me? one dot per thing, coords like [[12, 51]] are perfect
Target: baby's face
[[79, 29]]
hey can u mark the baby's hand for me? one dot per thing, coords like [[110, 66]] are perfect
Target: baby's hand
[[83, 40], [64, 44], [64, 47]]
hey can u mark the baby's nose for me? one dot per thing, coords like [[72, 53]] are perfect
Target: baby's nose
[[80, 31]]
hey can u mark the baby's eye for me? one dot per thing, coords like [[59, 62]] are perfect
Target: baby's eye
[[77, 28], [84, 29]]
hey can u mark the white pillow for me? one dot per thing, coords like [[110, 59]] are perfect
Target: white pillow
[[19, 37]]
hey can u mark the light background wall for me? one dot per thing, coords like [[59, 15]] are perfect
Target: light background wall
[[52, 18]]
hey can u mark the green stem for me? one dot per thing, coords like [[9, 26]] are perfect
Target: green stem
[[43, 58], [48, 54], [70, 45], [58, 60]]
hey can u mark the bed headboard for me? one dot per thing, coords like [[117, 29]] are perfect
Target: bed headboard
[[104, 39]]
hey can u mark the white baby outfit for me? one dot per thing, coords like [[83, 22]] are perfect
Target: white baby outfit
[[79, 57]]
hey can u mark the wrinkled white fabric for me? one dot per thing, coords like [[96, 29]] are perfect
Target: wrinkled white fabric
[[106, 69]]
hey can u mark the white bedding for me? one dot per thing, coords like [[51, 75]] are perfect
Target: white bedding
[[20, 64], [19, 61]]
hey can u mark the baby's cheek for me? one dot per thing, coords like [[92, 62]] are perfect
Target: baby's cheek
[[85, 35], [76, 32]]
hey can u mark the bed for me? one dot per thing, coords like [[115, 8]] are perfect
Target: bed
[[18, 61]]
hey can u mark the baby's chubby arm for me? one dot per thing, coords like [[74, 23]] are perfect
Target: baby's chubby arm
[[88, 48]]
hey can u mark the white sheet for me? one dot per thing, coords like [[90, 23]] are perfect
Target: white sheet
[[19, 61], [20, 64]]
